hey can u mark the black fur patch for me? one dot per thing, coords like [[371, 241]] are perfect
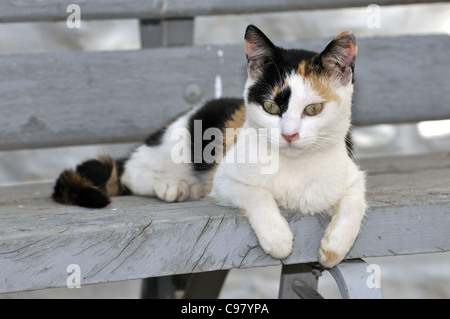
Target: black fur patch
[[156, 138], [215, 114], [91, 184], [274, 75], [72, 189], [349, 145], [92, 198], [282, 99], [98, 172]]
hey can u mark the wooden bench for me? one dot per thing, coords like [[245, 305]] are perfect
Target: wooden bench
[[60, 99]]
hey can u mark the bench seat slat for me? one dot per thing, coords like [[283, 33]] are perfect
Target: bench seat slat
[[138, 237], [110, 97]]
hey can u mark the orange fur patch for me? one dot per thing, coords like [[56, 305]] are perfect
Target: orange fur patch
[[276, 90], [235, 123], [72, 177], [323, 86], [244, 212], [330, 256], [301, 70], [342, 34], [112, 184], [66, 182]]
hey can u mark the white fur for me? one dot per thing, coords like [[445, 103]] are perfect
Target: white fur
[[315, 174], [151, 171]]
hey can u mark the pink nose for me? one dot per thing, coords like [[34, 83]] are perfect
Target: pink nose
[[291, 138]]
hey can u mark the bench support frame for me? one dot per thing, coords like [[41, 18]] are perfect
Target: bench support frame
[[354, 278]]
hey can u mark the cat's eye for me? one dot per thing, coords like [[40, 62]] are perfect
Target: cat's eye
[[313, 109], [271, 107]]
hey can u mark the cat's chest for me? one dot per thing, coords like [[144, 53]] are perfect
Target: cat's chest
[[309, 194], [310, 187]]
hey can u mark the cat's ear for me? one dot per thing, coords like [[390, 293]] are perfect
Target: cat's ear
[[339, 56], [259, 50]]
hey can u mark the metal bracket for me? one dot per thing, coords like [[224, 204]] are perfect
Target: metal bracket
[[354, 279], [299, 281]]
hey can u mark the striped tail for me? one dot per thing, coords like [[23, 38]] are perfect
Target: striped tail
[[91, 184]]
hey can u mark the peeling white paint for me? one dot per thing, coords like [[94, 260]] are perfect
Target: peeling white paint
[[218, 86]]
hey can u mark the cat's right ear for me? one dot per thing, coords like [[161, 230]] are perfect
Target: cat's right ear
[[339, 56], [259, 50]]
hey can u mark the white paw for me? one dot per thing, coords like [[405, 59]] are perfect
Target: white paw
[[332, 253], [276, 239], [171, 191]]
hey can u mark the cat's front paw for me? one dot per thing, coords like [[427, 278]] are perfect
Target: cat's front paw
[[277, 241], [331, 253]]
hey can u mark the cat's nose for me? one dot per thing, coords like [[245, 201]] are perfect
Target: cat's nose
[[290, 137]]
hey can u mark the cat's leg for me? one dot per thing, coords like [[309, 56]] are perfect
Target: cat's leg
[[259, 206], [345, 224], [150, 171]]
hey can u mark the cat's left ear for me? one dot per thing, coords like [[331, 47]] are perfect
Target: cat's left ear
[[260, 51], [339, 56]]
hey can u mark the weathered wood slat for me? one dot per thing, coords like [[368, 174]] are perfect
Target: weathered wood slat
[[97, 97], [138, 237], [44, 10], [167, 33]]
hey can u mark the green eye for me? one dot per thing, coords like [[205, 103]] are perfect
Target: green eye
[[313, 109], [271, 107]]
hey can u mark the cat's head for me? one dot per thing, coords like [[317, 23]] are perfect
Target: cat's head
[[305, 95]]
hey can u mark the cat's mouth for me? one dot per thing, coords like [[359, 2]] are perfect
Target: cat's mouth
[[293, 148]]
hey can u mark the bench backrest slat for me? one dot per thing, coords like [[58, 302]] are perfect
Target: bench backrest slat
[[49, 10], [87, 98]]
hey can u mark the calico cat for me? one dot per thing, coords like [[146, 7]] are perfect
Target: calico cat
[[296, 110]]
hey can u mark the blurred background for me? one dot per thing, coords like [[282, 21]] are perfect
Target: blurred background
[[421, 276]]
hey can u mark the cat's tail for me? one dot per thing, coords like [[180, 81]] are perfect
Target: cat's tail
[[91, 184]]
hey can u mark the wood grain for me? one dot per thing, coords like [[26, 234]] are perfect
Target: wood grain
[[138, 237], [108, 97]]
